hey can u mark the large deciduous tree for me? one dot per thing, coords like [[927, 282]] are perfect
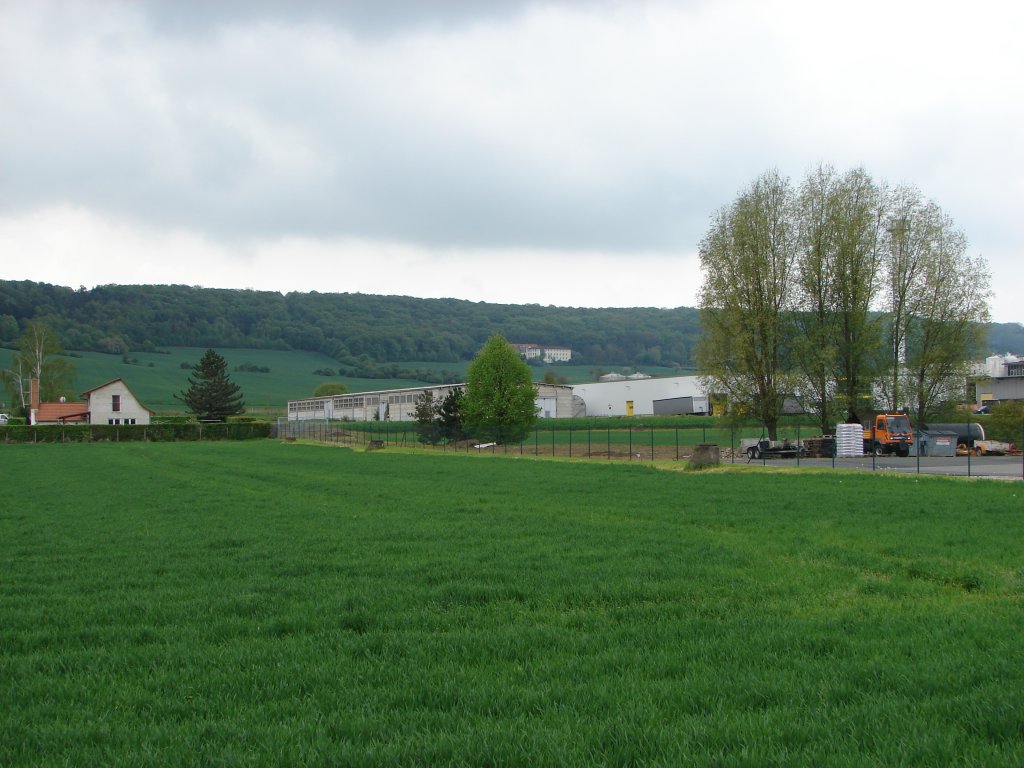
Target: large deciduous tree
[[836, 285], [879, 306], [748, 256], [211, 395], [945, 329], [39, 357], [499, 403]]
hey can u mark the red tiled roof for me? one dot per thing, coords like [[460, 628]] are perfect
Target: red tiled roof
[[58, 412]]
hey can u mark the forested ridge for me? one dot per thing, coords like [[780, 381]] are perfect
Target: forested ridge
[[356, 329], [350, 327]]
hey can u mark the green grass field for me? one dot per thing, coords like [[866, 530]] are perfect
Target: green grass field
[[271, 603]]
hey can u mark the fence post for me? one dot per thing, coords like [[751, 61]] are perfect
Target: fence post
[[799, 448], [677, 443], [970, 449], [552, 439], [630, 442], [570, 440], [652, 443], [589, 429]]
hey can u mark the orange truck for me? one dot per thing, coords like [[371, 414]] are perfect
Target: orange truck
[[888, 433]]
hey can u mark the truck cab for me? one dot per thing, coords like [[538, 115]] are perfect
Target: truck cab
[[889, 433]]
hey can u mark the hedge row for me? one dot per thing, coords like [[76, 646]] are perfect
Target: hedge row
[[94, 433]]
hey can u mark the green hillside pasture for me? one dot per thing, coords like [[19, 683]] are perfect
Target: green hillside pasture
[[156, 377], [292, 604]]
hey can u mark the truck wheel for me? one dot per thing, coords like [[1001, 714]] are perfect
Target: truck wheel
[[755, 453], [878, 449], [903, 450]]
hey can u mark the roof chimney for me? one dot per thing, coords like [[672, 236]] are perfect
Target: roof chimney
[[33, 388]]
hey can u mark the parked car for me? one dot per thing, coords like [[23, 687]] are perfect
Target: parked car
[[983, 410], [3, 419]]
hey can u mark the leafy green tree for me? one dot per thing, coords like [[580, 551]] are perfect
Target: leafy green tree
[[211, 395], [39, 357], [748, 257], [329, 388], [836, 282], [499, 403], [1007, 422]]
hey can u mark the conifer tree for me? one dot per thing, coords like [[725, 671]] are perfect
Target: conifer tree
[[211, 395]]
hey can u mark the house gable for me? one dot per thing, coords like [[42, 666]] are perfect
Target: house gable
[[114, 403]]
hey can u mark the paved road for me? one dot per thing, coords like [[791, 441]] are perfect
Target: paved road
[[1003, 467]]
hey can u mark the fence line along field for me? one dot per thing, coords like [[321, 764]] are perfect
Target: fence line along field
[[263, 602]]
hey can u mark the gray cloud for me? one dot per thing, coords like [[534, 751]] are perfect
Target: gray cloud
[[560, 127]]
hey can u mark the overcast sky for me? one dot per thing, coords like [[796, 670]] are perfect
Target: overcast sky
[[566, 153]]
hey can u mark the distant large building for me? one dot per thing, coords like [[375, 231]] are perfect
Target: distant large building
[[1000, 378], [552, 400], [546, 354], [633, 396]]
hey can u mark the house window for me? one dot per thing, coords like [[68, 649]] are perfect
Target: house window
[[115, 403]]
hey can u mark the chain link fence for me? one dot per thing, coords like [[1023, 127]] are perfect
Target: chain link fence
[[796, 444]]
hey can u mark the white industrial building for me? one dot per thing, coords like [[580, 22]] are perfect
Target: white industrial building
[[552, 400], [1000, 378], [644, 397]]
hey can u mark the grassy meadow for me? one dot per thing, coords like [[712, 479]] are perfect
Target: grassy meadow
[[288, 604], [155, 377]]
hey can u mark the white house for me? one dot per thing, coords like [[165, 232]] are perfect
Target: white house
[[114, 403]]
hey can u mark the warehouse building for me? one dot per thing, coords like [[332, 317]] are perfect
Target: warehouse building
[[1002, 378], [554, 401], [636, 396]]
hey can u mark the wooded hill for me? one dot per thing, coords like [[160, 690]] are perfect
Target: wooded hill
[[354, 329], [357, 330]]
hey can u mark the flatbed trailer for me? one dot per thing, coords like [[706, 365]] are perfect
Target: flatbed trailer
[[772, 449]]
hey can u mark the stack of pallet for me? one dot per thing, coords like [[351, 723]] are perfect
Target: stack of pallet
[[849, 440], [819, 447]]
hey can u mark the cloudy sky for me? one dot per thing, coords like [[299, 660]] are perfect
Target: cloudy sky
[[564, 153]]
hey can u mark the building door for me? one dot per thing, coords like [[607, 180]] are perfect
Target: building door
[[629, 407]]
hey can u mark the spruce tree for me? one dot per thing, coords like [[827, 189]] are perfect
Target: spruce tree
[[211, 395]]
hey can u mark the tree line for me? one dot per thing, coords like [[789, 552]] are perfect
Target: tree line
[[366, 334], [843, 292]]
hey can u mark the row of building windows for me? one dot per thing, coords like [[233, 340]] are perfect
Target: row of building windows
[[120, 421]]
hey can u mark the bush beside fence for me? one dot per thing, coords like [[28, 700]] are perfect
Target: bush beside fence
[[109, 433]]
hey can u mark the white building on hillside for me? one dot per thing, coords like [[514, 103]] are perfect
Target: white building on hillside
[[539, 352]]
